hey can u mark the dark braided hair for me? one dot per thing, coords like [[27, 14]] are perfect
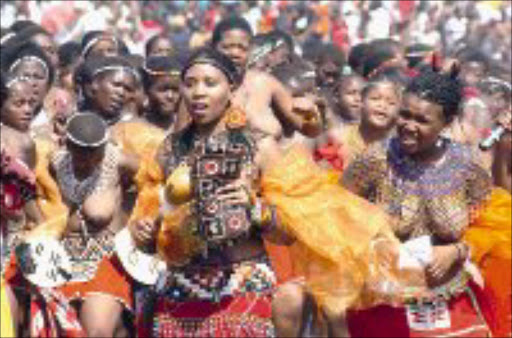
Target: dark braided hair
[[279, 35], [470, 54], [378, 54], [441, 88], [215, 58]]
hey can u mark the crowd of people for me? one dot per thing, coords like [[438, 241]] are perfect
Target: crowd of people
[[256, 168]]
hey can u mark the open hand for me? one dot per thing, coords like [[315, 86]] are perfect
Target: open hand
[[443, 258], [144, 231], [235, 193], [306, 107]]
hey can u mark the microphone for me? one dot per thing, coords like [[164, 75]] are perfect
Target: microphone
[[496, 134]]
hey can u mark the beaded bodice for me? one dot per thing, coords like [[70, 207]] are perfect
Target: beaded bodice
[[434, 199], [75, 191], [214, 162]]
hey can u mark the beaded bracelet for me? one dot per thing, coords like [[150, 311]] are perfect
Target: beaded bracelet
[[257, 213], [269, 219], [263, 216]]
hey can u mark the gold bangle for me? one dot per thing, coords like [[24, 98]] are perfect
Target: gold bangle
[[266, 215]]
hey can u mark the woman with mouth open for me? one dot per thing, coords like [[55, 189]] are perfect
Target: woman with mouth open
[[208, 201], [107, 84], [437, 191], [267, 103], [380, 105], [87, 172]]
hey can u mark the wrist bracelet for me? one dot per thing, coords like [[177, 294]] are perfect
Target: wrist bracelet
[[263, 216], [256, 213], [269, 219]]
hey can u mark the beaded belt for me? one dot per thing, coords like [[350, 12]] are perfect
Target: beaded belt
[[86, 252], [214, 282]]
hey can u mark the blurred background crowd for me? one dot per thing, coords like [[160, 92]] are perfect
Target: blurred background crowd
[[447, 26]]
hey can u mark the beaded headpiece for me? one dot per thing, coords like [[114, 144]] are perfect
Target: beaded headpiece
[[30, 58]]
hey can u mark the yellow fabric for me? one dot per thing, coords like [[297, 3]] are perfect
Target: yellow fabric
[[49, 198], [175, 243], [490, 239], [352, 143], [148, 180], [489, 235], [345, 246], [137, 138], [6, 324]]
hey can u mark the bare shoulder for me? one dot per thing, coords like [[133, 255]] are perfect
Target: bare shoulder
[[27, 150], [336, 133], [268, 151], [258, 77]]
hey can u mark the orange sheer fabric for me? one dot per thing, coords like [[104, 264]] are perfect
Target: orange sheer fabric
[[138, 138], [6, 324], [490, 237], [175, 242], [345, 247], [49, 198]]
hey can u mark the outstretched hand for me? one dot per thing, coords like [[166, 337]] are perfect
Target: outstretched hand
[[144, 231], [444, 257]]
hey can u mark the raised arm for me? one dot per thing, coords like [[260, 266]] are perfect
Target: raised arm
[[302, 113]]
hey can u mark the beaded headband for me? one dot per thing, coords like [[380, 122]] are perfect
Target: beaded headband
[[6, 37], [94, 41], [212, 62], [114, 67], [30, 58], [173, 72], [79, 143], [15, 80], [260, 52]]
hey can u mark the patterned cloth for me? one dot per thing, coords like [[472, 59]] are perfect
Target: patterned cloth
[[439, 200], [460, 316], [86, 253], [6, 324], [436, 200], [230, 300], [17, 187], [51, 316]]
